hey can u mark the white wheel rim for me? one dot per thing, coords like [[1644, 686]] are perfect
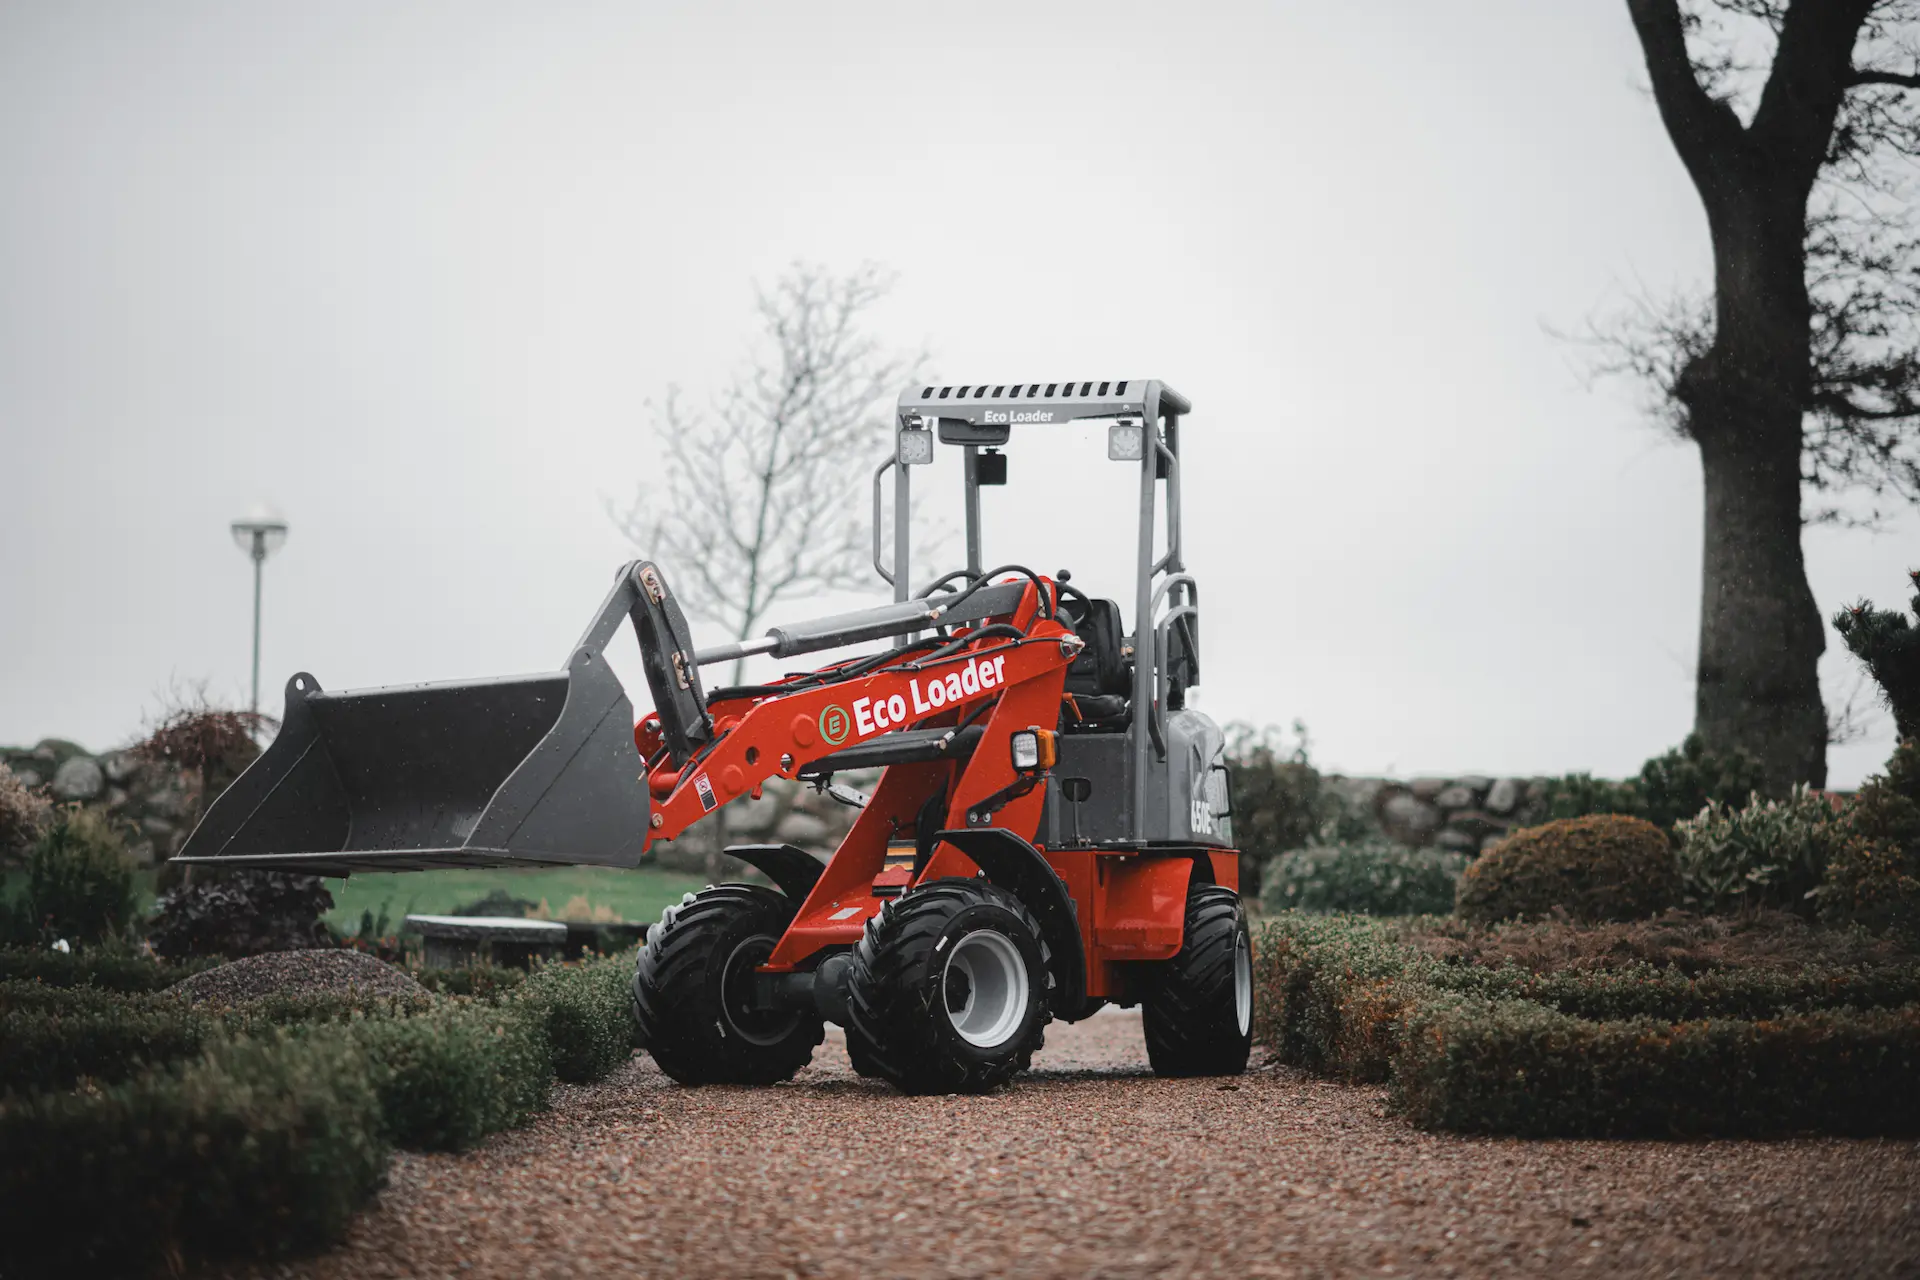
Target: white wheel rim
[[1242, 983], [985, 988]]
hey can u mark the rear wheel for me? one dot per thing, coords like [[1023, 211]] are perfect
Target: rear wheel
[[1198, 1006], [691, 990], [948, 988]]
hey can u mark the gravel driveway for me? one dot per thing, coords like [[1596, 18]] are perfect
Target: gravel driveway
[[1091, 1167]]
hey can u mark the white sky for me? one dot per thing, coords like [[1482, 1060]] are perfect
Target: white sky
[[412, 272]]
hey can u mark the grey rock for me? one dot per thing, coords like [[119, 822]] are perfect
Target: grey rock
[[116, 797], [1474, 782], [1408, 819], [167, 802], [155, 825], [1455, 797], [1428, 788], [1487, 842], [80, 778], [1457, 842], [1505, 795], [28, 778], [121, 766]]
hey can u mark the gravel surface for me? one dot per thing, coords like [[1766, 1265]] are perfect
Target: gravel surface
[[296, 973], [1089, 1166]]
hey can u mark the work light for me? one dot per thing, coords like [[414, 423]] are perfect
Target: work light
[[1126, 442], [1032, 750], [916, 447]]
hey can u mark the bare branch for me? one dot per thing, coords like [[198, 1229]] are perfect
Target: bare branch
[[1862, 77]]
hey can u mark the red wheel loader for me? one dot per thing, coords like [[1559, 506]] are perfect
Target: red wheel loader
[[1050, 831]]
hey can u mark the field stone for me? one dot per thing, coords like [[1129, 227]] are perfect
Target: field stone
[[1428, 788], [1457, 842], [1504, 796], [296, 973], [120, 766], [1475, 823], [80, 778], [1409, 819], [1457, 796]]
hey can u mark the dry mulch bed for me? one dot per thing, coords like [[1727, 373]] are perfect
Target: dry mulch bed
[[1694, 944], [296, 973], [1089, 1166]]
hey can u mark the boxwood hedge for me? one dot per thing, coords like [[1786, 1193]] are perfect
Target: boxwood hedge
[[1655, 1051]]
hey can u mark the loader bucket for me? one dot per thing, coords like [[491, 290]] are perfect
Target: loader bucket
[[515, 770]]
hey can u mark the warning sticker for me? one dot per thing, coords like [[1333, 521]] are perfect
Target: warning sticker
[[844, 912], [705, 788]]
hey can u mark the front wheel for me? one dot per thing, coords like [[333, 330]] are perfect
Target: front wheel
[[1198, 1006], [948, 988], [692, 990]]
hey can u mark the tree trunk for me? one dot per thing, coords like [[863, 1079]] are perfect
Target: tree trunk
[[1758, 684], [1761, 635]]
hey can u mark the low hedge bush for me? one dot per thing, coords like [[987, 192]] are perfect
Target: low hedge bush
[[51, 1037], [253, 1148], [1605, 867], [448, 1078], [1350, 997], [1511, 1066], [1373, 877], [587, 1010], [108, 967]]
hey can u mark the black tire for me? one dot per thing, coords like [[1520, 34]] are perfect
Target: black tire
[[1198, 1006], [861, 1050], [911, 989], [686, 990]]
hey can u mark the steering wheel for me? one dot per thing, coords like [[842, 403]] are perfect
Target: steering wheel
[[1077, 618]]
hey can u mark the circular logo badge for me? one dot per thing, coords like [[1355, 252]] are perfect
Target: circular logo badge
[[834, 724]]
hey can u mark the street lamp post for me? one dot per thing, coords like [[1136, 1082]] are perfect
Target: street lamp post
[[259, 533]]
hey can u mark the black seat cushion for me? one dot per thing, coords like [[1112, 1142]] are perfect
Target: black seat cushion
[[1101, 667]]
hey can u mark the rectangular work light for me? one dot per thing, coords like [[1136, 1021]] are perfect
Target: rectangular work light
[[1033, 749], [1126, 442]]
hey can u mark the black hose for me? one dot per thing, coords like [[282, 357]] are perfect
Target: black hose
[[1046, 603], [955, 646]]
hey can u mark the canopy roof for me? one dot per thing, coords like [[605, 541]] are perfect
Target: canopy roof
[[1041, 402]]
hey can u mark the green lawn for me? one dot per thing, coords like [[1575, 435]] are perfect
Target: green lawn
[[629, 895]]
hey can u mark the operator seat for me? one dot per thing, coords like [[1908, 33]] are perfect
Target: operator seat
[[1100, 679]]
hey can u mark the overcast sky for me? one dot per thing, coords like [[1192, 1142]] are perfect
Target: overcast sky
[[412, 273]]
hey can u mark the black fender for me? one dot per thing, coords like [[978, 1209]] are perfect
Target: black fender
[[1015, 865], [790, 867]]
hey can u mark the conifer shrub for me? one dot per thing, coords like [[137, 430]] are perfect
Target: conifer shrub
[[1604, 867], [448, 1078], [1873, 867]]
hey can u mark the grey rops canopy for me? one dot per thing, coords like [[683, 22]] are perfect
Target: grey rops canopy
[[1013, 403]]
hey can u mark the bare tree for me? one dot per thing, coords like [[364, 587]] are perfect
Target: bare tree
[[759, 500], [1800, 375]]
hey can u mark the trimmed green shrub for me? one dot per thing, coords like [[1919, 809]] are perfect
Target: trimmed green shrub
[[1377, 878], [79, 883], [1604, 867], [1511, 1066], [109, 967], [1771, 853], [255, 1148], [487, 981], [587, 1010], [50, 1037], [450, 1077], [1669, 787], [1509, 1050]]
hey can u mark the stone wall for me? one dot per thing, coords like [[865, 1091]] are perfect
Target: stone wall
[[1465, 814], [156, 801]]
